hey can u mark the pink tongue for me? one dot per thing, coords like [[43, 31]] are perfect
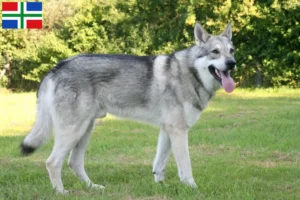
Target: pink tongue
[[227, 82]]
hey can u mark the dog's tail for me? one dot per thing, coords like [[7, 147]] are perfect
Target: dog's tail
[[42, 128]]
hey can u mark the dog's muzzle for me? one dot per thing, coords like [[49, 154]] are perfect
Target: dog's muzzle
[[223, 77], [230, 64]]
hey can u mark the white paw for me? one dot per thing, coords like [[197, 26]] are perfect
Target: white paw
[[190, 182], [62, 191], [97, 186], [65, 192], [159, 177]]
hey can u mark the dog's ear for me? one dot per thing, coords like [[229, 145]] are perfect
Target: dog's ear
[[228, 32], [200, 34]]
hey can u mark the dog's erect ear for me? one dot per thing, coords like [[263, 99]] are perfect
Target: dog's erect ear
[[228, 32], [200, 34]]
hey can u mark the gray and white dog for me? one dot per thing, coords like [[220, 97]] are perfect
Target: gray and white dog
[[170, 91]]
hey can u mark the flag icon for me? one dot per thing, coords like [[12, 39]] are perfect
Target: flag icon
[[22, 15]]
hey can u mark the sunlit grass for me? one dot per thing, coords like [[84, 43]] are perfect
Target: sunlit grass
[[263, 93], [17, 112]]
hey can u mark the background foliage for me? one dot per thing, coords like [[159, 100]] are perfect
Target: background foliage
[[265, 33]]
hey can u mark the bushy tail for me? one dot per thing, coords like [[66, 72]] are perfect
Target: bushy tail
[[43, 126]]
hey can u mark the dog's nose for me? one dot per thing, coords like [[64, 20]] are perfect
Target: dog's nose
[[230, 64]]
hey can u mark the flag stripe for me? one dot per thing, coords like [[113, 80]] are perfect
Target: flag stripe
[[9, 24], [9, 6], [24, 15], [22, 12], [34, 24], [34, 6]]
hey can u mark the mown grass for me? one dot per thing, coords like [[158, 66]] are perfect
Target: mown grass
[[245, 146]]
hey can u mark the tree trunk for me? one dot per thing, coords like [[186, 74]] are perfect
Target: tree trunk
[[258, 79], [7, 69], [2, 73]]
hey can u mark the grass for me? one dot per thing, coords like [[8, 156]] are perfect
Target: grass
[[245, 146]]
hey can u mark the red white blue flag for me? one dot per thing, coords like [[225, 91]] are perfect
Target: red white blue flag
[[22, 15]]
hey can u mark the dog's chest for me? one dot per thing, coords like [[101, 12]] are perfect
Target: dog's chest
[[191, 114], [150, 115]]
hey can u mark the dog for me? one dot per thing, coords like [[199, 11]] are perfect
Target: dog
[[169, 91]]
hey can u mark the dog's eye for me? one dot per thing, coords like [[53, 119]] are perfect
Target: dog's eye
[[231, 51], [215, 51]]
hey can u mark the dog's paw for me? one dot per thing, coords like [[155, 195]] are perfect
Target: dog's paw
[[190, 182], [159, 177], [65, 192], [97, 186], [62, 191]]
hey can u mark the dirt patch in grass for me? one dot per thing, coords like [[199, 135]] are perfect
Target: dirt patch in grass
[[278, 158], [212, 150], [266, 164], [282, 156], [122, 158], [148, 198]]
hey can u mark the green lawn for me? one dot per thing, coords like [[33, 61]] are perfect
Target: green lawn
[[245, 146]]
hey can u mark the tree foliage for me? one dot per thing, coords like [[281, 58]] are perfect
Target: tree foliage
[[265, 33]]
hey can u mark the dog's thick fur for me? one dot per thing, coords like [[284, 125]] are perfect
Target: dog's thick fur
[[170, 91]]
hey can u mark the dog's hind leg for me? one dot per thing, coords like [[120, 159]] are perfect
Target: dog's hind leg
[[76, 159], [162, 155], [66, 137]]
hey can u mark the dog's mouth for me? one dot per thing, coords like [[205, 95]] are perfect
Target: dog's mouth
[[223, 77]]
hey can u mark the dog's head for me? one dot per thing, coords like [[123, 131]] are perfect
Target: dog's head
[[216, 55]]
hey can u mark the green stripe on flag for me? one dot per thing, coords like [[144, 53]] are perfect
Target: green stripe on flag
[[19, 15], [22, 17]]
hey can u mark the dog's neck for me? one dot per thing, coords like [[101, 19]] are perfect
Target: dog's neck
[[186, 59]]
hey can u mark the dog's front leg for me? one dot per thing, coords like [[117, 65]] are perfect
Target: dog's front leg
[[179, 143]]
